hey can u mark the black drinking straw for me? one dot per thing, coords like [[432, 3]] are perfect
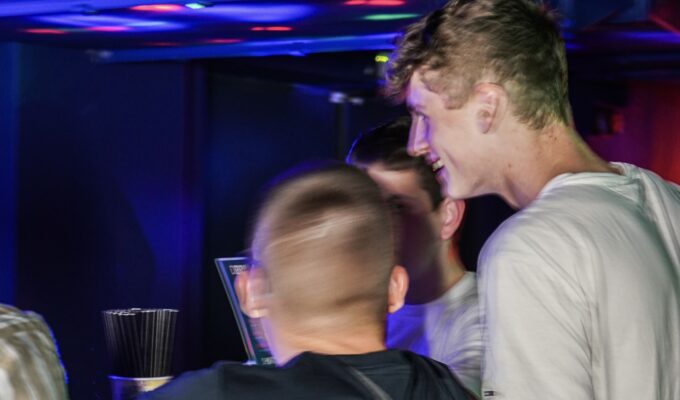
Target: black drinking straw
[[140, 341]]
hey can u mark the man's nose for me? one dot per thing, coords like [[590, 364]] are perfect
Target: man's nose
[[417, 145]]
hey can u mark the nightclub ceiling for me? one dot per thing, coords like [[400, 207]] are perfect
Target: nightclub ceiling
[[137, 30]]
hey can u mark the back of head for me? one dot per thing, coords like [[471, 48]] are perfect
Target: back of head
[[323, 237], [514, 43], [387, 145]]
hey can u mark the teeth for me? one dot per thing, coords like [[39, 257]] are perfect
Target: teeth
[[437, 165]]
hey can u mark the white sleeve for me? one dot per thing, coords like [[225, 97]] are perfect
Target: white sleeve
[[536, 319], [464, 355]]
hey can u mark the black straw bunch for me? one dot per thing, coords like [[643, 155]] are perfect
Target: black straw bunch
[[140, 341]]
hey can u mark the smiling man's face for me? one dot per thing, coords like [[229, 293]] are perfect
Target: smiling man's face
[[448, 138]]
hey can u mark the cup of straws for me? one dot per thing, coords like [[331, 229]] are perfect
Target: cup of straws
[[139, 343]]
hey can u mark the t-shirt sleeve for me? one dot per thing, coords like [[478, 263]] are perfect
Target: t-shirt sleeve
[[465, 354], [535, 318]]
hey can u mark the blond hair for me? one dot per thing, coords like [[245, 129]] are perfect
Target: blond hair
[[515, 42], [324, 239]]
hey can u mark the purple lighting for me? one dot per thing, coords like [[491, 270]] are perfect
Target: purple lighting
[[263, 13], [108, 28], [107, 21], [44, 31], [656, 37], [157, 7]]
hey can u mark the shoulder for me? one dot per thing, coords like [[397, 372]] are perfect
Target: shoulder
[[210, 383], [24, 329], [548, 242], [461, 302], [12, 318], [560, 219]]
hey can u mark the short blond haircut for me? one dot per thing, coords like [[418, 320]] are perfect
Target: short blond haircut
[[324, 239], [516, 42]]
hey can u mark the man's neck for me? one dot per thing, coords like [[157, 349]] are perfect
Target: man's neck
[[345, 339], [537, 159], [445, 271]]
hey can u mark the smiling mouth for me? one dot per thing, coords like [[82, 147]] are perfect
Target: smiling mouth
[[437, 166]]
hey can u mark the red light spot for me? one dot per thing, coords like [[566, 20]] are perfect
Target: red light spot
[[386, 2], [43, 31], [272, 28], [108, 28], [377, 3], [279, 28], [158, 7], [223, 41]]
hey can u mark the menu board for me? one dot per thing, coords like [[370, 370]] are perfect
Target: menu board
[[250, 328]]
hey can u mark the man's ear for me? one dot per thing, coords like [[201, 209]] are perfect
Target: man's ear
[[397, 289], [491, 100], [451, 212], [251, 292]]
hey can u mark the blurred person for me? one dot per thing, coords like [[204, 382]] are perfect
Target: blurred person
[[30, 368], [441, 316], [322, 280], [580, 289]]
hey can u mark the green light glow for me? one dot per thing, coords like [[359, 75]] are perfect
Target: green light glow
[[389, 17]]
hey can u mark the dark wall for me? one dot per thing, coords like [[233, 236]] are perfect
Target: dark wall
[[8, 183], [256, 130], [107, 211]]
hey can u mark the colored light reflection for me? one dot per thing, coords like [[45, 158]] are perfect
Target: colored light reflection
[[107, 21], [389, 17], [223, 41], [271, 28], [381, 58], [108, 28], [649, 36], [260, 13], [44, 31], [376, 3], [146, 24], [158, 7], [194, 6]]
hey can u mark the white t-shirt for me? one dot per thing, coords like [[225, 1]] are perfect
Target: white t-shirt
[[447, 329], [581, 294]]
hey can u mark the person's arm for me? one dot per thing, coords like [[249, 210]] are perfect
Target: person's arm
[[29, 363], [537, 322]]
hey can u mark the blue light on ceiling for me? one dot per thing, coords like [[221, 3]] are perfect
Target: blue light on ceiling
[[656, 37], [292, 46], [258, 13], [93, 21], [194, 6]]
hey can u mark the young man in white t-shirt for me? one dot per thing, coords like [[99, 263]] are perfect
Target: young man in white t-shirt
[[441, 316], [580, 289]]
